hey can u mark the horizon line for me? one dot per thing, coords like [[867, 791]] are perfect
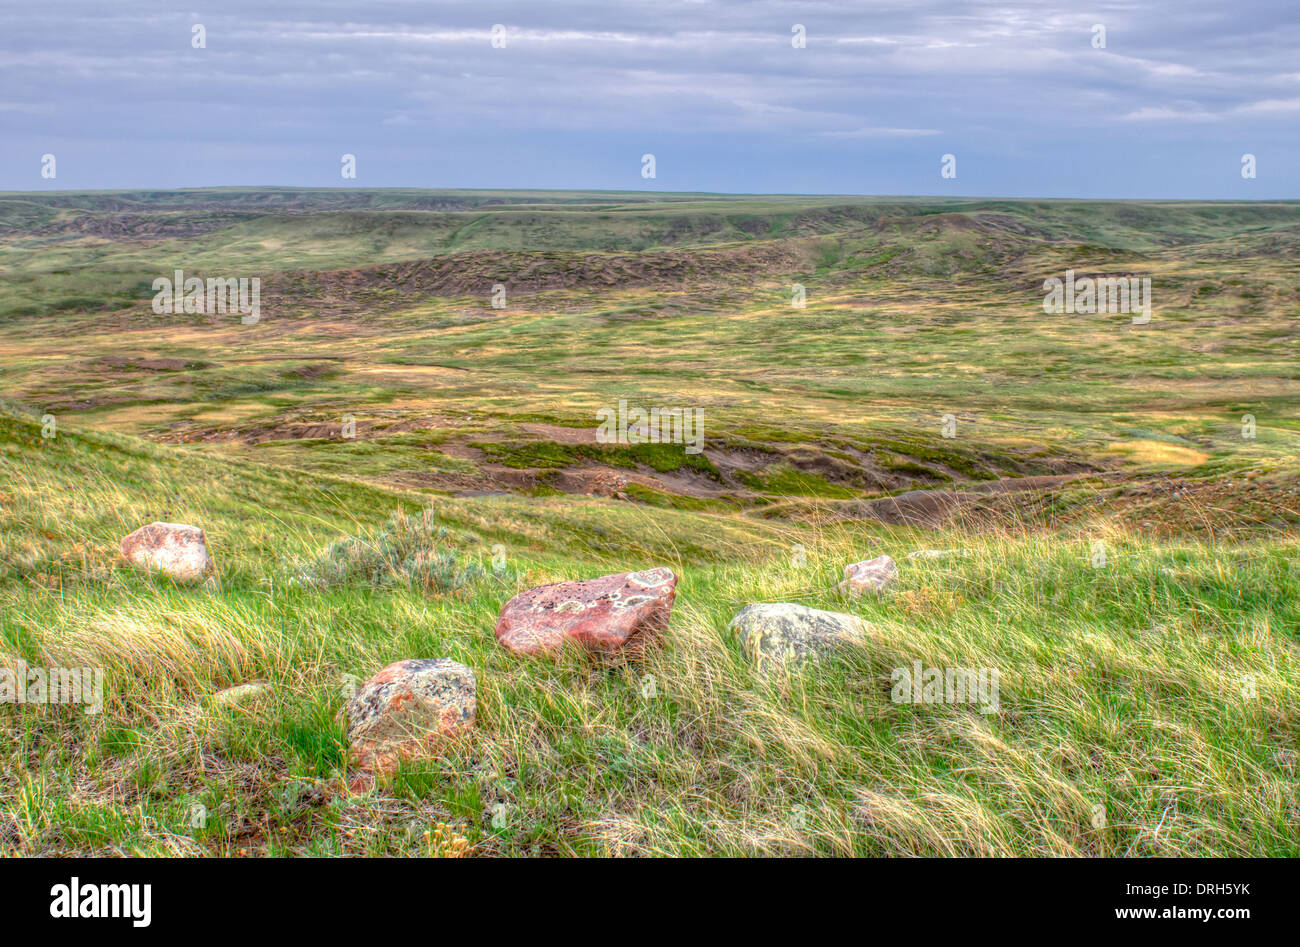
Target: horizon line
[[647, 193]]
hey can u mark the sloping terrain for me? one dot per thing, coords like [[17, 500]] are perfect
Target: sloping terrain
[[1112, 506]]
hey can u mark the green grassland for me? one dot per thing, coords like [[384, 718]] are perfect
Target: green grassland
[[1148, 703]]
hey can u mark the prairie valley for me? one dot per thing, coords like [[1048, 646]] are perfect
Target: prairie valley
[[408, 433]]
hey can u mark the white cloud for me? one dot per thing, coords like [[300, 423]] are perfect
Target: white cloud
[[1194, 113], [875, 132], [1270, 107], [1164, 113], [1011, 79]]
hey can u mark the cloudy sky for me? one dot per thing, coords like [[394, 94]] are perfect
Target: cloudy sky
[[577, 92]]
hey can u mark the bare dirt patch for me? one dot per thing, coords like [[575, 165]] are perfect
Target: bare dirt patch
[[476, 272], [940, 507], [152, 364], [561, 435], [123, 227]]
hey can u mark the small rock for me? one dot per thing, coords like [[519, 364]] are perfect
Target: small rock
[[241, 693], [408, 709], [871, 575], [783, 631], [174, 549], [607, 614], [937, 553]]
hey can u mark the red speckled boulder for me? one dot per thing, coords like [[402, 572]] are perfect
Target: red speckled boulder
[[409, 709], [607, 614]]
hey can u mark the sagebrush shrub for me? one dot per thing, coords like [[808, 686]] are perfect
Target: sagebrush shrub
[[409, 550]]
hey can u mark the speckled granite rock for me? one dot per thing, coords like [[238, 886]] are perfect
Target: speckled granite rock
[[174, 549], [783, 631], [607, 614], [869, 576], [408, 709]]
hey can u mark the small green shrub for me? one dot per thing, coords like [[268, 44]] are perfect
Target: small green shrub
[[410, 551]]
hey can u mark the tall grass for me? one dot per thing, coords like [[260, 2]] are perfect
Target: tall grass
[[1146, 708]]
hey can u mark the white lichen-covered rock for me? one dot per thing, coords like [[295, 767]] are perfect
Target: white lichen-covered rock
[[871, 575], [410, 708], [783, 632], [174, 549]]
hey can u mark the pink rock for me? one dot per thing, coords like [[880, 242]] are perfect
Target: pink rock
[[410, 709], [869, 576], [606, 614], [173, 549]]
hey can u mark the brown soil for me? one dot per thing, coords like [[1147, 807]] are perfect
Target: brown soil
[[1219, 509], [475, 272], [153, 364], [141, 227], [939, 507], [561, 435]]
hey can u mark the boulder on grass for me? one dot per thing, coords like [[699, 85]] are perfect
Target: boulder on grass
[[174, 549], [872, 575], [783, 632], [409, 709], [608, 614]]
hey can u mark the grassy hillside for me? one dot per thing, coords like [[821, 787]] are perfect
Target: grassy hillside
[[1122, 687], [1148, 696]]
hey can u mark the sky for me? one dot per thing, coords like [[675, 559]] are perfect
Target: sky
[[1030, 99]]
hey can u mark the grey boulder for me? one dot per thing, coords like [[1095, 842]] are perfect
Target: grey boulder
[[783, 632]]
